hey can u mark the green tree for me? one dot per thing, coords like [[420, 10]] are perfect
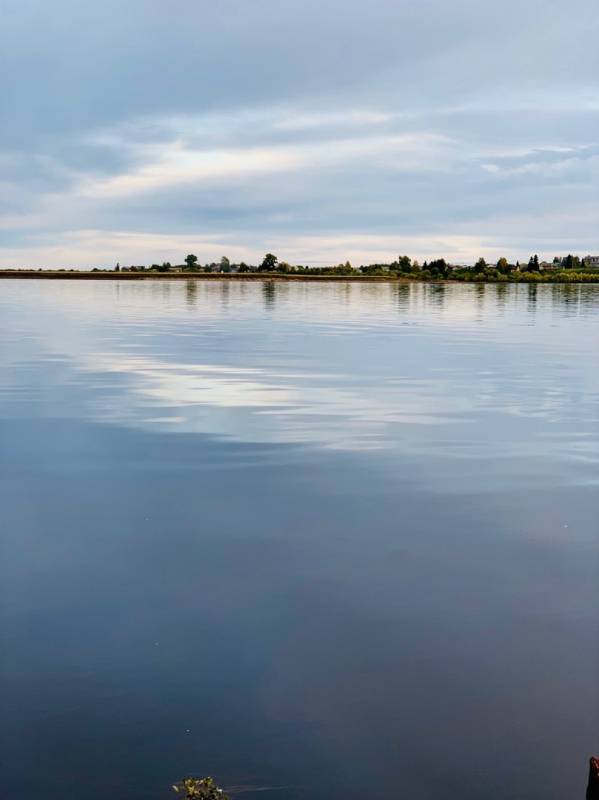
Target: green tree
[[191, 261], [439, 267], [502, 264], [480, 265], [405, 263], [225, 264], [269, 263], [118, 267]]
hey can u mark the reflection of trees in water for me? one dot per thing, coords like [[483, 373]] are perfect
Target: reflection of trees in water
[[480, 290], [501, 292], [403, 295], [533, 296], [191, 292], [436, 294], [225, 293], [588, 297], [161, 290], [572, 298], [569, 296], [269, 293], [346, 292], [242, 288]]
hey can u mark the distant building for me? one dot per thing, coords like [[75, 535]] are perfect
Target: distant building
[[591, 261]]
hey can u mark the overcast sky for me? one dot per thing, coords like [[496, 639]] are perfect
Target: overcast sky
[[321, 130]]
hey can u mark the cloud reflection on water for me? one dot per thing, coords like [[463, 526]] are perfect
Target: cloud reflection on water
[[267, 406], [455, 372]]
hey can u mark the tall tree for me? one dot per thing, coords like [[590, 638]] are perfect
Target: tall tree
[[405, 263], [269, 263]]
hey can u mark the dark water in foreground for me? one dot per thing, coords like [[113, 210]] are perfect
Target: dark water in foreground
[[332, 541]]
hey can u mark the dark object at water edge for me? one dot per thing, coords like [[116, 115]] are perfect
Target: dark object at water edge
[[593, 788]]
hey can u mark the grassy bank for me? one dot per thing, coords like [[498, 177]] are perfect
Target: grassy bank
[[389, 277], [199, 276]]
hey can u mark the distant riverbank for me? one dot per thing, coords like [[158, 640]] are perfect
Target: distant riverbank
[[391, 277], [199, 276]]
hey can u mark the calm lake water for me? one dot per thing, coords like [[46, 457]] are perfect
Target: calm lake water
[[318, 540]]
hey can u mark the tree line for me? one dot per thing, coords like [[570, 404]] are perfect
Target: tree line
[[562, 268]]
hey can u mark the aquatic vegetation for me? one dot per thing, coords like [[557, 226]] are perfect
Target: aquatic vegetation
[[199, 789]]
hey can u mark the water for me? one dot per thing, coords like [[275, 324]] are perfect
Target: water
[[318, 540]]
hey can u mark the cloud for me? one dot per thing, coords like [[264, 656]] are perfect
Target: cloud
[[422, 124]]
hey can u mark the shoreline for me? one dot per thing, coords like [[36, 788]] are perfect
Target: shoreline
[[199, 276], [264, 276]]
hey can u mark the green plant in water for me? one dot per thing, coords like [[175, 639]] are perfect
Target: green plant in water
[[199, 789]]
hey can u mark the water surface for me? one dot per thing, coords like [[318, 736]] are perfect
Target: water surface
[[319, 540]]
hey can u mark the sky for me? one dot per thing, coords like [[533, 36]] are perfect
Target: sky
[[321, 130]]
